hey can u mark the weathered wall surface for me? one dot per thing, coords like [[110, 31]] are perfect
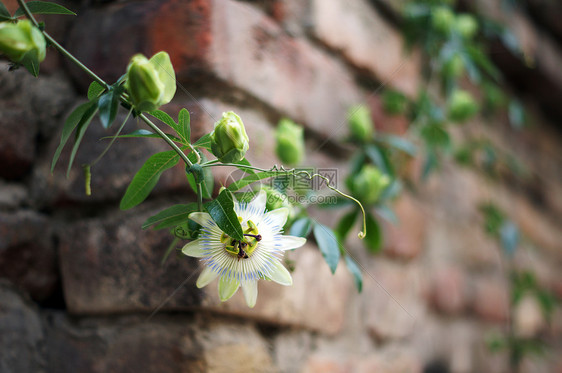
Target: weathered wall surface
[[80, 279]]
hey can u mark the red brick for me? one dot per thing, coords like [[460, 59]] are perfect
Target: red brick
[[491, 300], [392, 298], [324, 364], [535, 225], [232, 348], [448, 293], [226, 40], [317, 300], [538, 47], [394, 124], [366, 40], [122, 344], [110, 265], [27, 253], [22, 337], [406, 239]]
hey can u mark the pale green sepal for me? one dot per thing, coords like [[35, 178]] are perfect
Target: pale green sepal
[[165, 70], [194, 249], [206, 276], [280, 274], [201, 218], [227, 287], [291, 242], [250, 289]]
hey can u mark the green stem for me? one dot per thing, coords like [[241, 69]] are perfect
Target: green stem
[[155, 128], [59, 47], [199, 197], [213, 164]]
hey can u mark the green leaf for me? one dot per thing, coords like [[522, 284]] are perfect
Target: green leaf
[[387, 213], [44, 7], [373, 239], [345, 224], [146, 178], [516, 114], [301, 227], [430, 164], [237, 185], [222, 211], [69, 126], [391, 191], [108, 104], [328, 245], [204, 142], [184, 125], [4, 14], [355, 271], [95, 90], [31, 63], [80, 131], [436, 136], [400, 143], [379, 157], [165, 118], [170, 217], [357, 163], [480, 58], [509, 235]]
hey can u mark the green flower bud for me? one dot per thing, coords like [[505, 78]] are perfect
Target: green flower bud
[[151, 83], [466, 25], [454, 67], [368, 184], [229, 141], [442, 19], [19, 39], [462, 106], [360, 123], [275, 199], [290, 142]]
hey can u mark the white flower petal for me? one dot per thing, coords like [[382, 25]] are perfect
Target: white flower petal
[[227, 287], [280, 274], [250, 289], [258, 203], [194, 249], [201, 218], [290, 242], [276, 219], [206, 276]]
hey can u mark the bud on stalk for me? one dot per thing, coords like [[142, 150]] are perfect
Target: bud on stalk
[[150, 83], [290, 142], [20, 39], [360, 123], [229, 141]]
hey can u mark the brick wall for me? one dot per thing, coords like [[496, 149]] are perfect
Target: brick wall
[[80, 279]]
